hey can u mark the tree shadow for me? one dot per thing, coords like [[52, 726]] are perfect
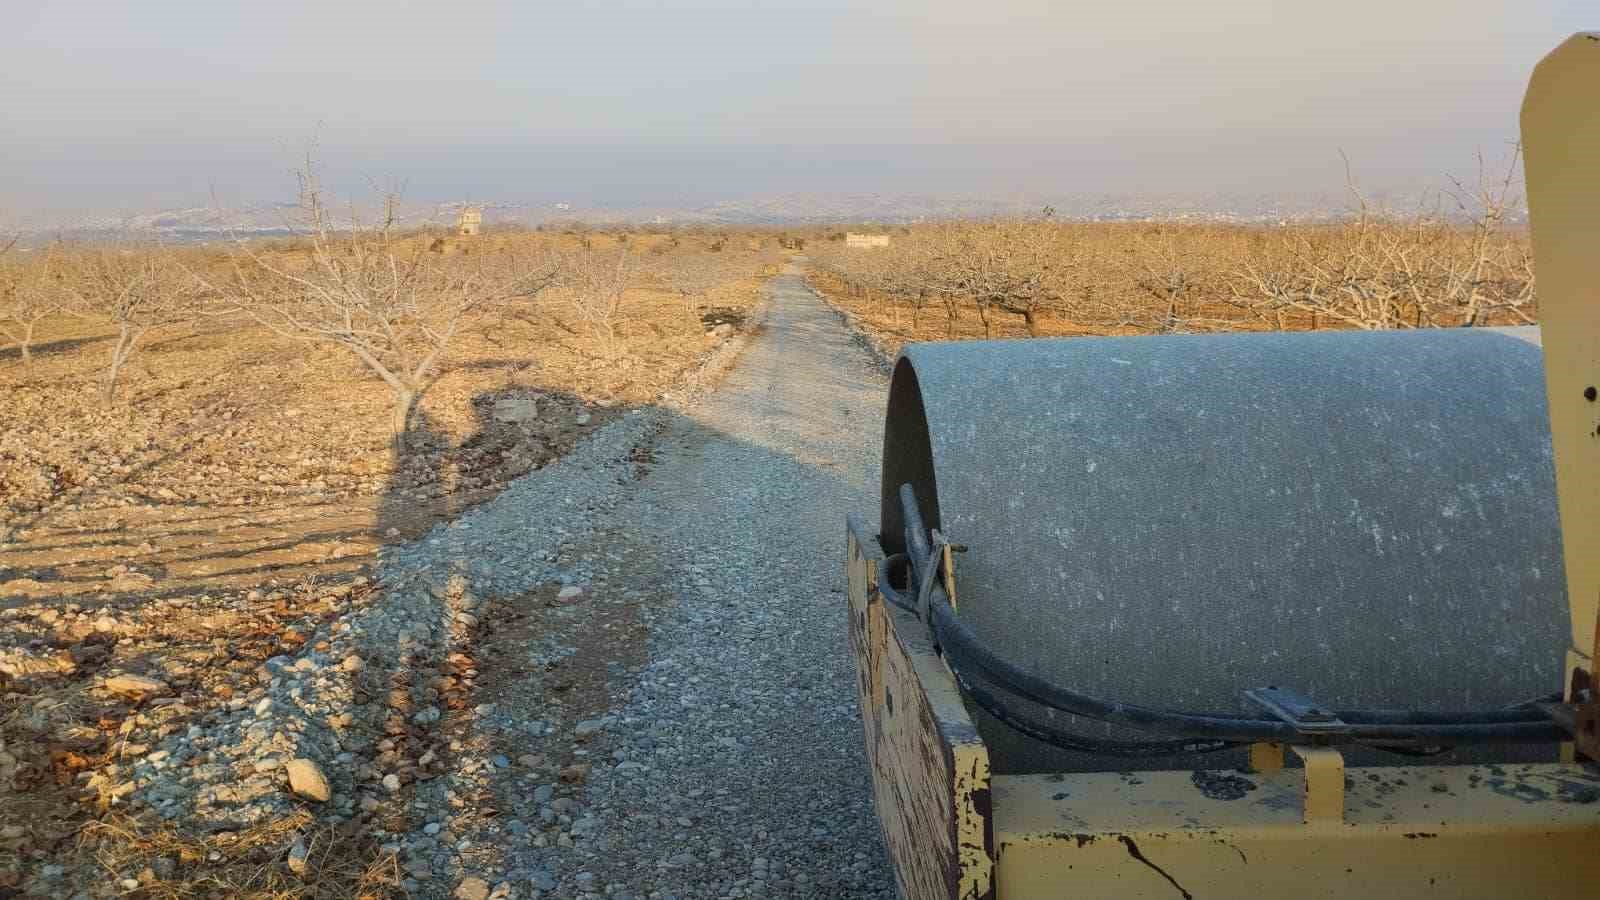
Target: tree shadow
[[493, 693], [408, 506], [14, 352]]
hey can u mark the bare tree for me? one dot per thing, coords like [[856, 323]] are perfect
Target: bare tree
[[1495, 274], [1165, 275], [366, 289], [1381, 271], [595, 283], [28, 295], [1347, 275], [1029, 259], [1005, 266], [136, 290], [1374, 270], [692, 276]]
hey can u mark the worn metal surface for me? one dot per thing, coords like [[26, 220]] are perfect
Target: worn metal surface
[[1366, 518], [1561, 135], [1413, 831], [930, 771], [1322, 781], [954, 830]]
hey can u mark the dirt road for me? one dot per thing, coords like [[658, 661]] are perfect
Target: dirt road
[[684, 665]]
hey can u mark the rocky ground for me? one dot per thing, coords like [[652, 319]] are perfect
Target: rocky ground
[[162, 558], [624, 674]]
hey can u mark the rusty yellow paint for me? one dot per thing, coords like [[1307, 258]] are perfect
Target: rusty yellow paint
[[930, 771], [1322, 792], [1314, 830], [1578, 665], [1561, 140], [948, 558], [1408, 831], [1266, 756]]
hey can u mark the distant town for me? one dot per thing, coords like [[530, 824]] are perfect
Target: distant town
[[205, 223]]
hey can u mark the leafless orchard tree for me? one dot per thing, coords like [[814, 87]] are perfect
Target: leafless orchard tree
[[1496, 273], [1339, 276], [1030, 263], [1472, 266], [29, 294], [1010, 267], [1164, 274], [692, 276], [595, 283], [1341, 279], [384, 299], [136, 290], [1387, 272]]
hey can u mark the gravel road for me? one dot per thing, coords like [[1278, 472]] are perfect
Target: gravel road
[[688, 725], [749, 685]]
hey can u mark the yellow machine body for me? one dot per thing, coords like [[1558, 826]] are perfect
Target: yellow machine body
[[1316, 828], [954, 830]]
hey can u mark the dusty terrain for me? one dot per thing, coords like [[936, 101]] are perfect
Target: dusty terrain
[[157, 551], [569, 637]]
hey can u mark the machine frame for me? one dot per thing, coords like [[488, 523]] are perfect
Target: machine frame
[[956, 830]]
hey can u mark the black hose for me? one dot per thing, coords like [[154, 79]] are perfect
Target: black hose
[[1520, 713], [918, 549], [1039, 730], [962, 646]]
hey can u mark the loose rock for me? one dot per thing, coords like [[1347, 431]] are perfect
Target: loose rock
[[298, 857], [306, 780], [136, 685]]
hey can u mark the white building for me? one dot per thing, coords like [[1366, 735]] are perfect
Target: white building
[[852, 239]]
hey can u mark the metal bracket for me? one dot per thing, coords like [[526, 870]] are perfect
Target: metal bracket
[[1324, 766], [1302, 712], [941, 571], [1266, 756], [947, 558], [1324, 782], [1580, 715]]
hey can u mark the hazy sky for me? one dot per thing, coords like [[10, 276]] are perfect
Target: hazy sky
[[122, 106]]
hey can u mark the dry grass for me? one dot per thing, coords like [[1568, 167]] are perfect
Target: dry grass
[[337, 861]]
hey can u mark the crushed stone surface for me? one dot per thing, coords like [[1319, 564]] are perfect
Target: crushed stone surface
[[743, 722], [627, 675]]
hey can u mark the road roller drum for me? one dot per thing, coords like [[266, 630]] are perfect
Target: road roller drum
[[1358, 516]]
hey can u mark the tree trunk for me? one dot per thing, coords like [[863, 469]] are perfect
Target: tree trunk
[[405, 403], [26, 346], [120, 351]]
